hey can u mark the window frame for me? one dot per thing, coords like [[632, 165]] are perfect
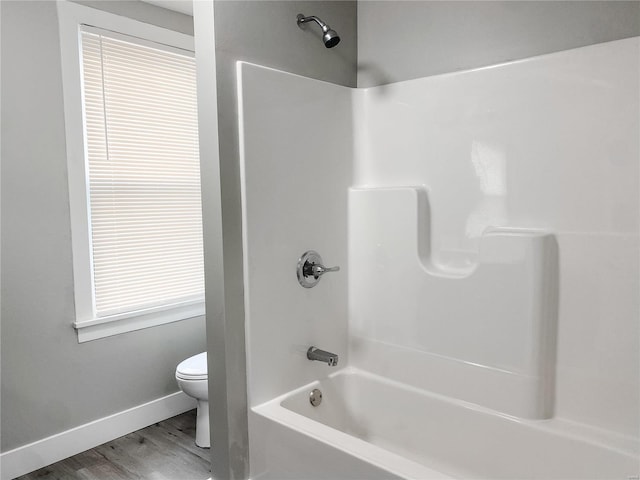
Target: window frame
[[71, 19]]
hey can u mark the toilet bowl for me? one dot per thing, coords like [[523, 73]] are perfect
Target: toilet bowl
[[191, 375]]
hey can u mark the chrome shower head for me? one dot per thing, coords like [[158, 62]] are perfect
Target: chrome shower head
[[329, 37]]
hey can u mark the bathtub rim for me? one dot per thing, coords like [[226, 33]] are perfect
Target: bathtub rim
[[362, 450], [397, 464]]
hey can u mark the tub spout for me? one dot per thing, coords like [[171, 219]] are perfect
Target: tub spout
[[329, 358]]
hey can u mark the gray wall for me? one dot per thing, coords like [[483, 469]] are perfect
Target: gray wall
[[50, 383], [266, 33], [412, 39]]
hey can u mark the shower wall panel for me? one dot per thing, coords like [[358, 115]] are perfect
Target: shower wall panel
[[549, 143], [296, 162], [486, 337]]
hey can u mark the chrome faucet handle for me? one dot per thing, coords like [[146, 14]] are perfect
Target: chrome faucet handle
[[311, 268], [319, 270]]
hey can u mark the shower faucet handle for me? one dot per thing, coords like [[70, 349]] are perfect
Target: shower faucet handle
[[311, 269], [318, 270]]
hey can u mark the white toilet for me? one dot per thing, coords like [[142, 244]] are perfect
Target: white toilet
[[191, 375]]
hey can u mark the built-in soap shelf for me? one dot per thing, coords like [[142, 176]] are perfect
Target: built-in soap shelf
[[496, 321]]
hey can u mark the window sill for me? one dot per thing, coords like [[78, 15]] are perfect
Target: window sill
[[128, 322]]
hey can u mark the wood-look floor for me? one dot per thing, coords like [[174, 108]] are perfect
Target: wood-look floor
[[164, 451]]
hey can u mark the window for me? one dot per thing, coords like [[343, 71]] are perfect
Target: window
[[134, 173]]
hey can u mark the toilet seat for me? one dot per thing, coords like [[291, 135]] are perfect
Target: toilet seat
[[193, 368]]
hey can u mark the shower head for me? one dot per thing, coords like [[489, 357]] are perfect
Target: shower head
[[329, 37]]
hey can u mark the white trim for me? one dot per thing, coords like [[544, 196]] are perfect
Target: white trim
[[69, 18], [57, 447], [128, 322], [72, 19]]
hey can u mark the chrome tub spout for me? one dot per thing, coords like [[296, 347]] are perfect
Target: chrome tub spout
[[329, 358]]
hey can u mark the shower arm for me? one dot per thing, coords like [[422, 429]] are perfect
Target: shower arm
[[302, 20]]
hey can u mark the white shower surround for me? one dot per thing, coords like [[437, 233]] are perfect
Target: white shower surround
[[486, 336], [546, 144]]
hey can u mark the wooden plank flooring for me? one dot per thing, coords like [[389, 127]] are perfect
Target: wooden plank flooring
[[164, 451]]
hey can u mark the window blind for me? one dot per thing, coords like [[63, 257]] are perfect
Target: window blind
[[143, 173]]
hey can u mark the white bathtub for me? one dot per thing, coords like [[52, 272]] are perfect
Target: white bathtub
[[370, 427]]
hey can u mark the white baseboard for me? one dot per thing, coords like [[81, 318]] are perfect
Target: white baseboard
[[57, 447]]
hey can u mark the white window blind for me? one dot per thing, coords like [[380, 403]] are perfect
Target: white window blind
[[141, 142]]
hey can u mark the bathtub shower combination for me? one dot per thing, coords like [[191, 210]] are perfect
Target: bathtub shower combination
[[482, 322]]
